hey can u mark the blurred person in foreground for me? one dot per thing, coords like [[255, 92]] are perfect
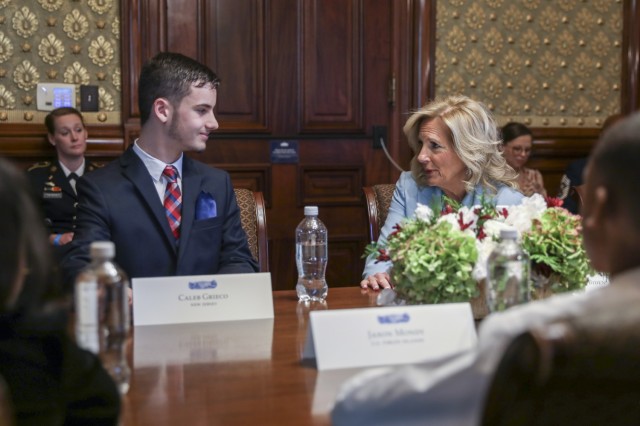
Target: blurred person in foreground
[[457, 154], [167, 213], [517, 141], [453, 392], [572, 180], [50, 380], [54, 182]]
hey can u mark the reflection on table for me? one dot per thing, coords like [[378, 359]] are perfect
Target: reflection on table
[[235, 373]]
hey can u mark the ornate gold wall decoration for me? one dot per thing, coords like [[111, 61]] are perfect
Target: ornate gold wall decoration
[[48, 41], [6, 48], [7, 100], [545, 63]]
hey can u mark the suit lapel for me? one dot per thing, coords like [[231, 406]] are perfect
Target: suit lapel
[[191, 185], [136, 172]]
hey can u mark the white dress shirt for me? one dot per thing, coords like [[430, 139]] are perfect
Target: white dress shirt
[[156, 167]]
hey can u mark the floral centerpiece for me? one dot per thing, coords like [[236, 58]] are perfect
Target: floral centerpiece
[[441, 254]]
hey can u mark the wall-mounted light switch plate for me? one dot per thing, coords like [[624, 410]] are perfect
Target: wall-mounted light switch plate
[[89, 100]]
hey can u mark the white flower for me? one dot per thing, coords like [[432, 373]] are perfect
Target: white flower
[[452, 218], [521, 216], [492, 228], [424, 213]]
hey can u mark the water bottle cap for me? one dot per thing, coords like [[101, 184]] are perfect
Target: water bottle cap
[[311, 210], [102, 249], [508, 234]]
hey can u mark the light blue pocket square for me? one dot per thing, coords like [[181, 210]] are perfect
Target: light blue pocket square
[[205, 206]]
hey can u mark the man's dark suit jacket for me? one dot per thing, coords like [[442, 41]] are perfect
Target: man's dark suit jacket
[[120, 203]]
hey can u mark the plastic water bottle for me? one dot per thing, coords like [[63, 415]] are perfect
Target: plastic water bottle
[[102, 312], [311, 257], [507, 273]]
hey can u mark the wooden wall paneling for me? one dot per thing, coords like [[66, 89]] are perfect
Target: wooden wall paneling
[[320, 111], [414, 58], [256, 177], [382, 82], [31, 151], [185, 28], [332, 66], [26, 144], [144, 33], [554, 149], [344, 251], [330, 185], [282, 50], [235, 39]]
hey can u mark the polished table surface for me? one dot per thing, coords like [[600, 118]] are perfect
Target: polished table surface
[[240, 373]]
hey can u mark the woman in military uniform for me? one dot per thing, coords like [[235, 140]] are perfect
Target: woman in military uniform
[[54, 181]]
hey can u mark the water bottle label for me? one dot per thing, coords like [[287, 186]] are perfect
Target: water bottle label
[[87, 303]]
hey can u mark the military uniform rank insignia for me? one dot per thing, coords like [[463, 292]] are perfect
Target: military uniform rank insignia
[[51, 191]]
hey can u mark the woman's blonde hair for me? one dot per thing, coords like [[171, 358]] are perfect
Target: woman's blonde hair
[[475, 140]]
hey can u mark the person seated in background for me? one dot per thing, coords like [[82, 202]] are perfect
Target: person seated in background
[[50, 380], [517, 141], [54, 182], [456, 153], [167, 213], [572, 178], [454, 393]]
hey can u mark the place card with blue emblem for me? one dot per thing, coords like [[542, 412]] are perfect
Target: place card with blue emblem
[[367, 337], [201, 298]]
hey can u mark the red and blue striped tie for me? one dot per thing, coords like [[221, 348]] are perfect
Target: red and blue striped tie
[[173, 200]]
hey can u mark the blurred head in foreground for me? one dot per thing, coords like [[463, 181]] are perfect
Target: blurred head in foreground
[[611, 210], [24, 249]]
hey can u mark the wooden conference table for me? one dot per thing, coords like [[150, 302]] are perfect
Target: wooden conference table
[[239, 373]]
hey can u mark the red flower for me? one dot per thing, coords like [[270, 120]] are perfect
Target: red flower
[[463, 225], [446, 210], [553, 202], [397, 228], [504, 212], [383, 256]]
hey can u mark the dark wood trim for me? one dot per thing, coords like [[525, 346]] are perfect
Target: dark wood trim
[[427, 34], [415, 24], [630, 57], [261, 227]]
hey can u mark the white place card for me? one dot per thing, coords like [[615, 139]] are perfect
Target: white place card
[[596, 281], [229, 341], [366, 337], [201, 298]]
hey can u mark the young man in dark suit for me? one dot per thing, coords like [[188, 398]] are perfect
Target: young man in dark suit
[[166, 213], [54, 181]]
